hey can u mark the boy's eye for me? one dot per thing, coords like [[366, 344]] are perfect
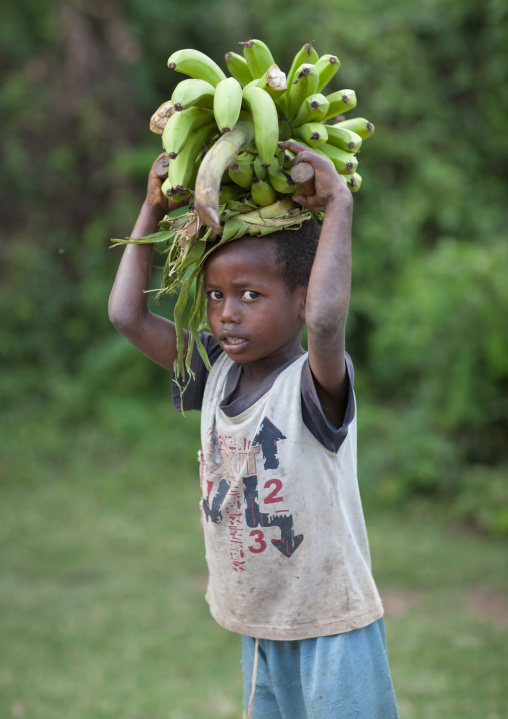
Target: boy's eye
[[215, 295], [250, 295]]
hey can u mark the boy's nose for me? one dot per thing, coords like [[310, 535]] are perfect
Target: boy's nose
[[229, 310]]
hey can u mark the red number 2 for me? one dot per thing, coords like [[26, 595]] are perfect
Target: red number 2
[[272, 497], [260, 542]]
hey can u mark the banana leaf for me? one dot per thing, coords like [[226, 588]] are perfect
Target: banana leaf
[[187, 243]]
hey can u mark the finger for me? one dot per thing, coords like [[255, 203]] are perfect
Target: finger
[[299, 150], [305, 154], [293, 146], [309, 156], [308, 202]]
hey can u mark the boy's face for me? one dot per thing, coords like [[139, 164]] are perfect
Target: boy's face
[[251, 310]]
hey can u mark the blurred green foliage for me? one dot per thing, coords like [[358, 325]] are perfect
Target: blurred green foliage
[[79, 81]]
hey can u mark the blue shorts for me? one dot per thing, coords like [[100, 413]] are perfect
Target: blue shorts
[[343, 676]]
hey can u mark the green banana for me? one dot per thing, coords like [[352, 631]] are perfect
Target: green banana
[[285, 158], [241, 171], [312, 109], [313, 134], [237, 66], [343, 138], [168, 190], [273, 82], [221, 155], [179, 127], [227, 103], [252, 83], [193, 93], [230, 192], [340, 102], [197, 65], [360, 125], [261, 192], [305, 84], [259, 169], [318, 150], [306, 54], [258, 57], [285, 130], [268, 212], [281, 103], [279, 179], [246, 156], [251, 146], [266, 122], [327, 66], [353, 181], [181, 169], [345, 163]]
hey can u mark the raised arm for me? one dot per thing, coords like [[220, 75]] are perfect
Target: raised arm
[[330, 283], [154, 335]]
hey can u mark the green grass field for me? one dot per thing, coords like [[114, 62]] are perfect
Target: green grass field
[[103, 576]]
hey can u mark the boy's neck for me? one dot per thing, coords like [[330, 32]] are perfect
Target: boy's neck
[[253, 374]]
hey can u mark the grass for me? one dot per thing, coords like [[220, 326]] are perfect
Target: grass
[[103, 577]]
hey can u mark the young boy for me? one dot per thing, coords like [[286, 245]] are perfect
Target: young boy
[[285, 539]]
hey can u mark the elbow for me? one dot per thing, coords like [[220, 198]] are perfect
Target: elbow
[[326, 321], [121, 317], [117, 321], [114, 313], [325, 330]]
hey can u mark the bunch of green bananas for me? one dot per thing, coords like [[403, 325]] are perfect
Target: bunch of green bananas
[[221, 133]]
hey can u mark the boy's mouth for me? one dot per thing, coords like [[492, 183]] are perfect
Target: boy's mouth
[[231, 343]]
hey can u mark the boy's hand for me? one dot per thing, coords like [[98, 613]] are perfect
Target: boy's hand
[[330, 188], [154, 197], [154, 335]]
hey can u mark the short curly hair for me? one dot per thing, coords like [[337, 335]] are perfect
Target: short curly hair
[[295, 251]]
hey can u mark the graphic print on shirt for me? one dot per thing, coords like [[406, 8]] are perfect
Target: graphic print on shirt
[[288, 543], [267, 437], [237, 464]]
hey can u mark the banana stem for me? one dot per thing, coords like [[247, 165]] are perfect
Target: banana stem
[[303, 176], [221, 156]]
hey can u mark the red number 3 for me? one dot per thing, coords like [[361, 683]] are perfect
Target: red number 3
[[260, 544]]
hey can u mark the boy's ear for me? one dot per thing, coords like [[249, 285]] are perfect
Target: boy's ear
[[302, 302]]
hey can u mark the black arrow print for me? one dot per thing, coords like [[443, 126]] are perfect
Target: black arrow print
[[288, 542], [267, 437]]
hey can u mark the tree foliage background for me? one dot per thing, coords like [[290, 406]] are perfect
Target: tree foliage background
[[79, 81]]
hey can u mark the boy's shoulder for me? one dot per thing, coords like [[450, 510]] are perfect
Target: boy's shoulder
[[301, 380]]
